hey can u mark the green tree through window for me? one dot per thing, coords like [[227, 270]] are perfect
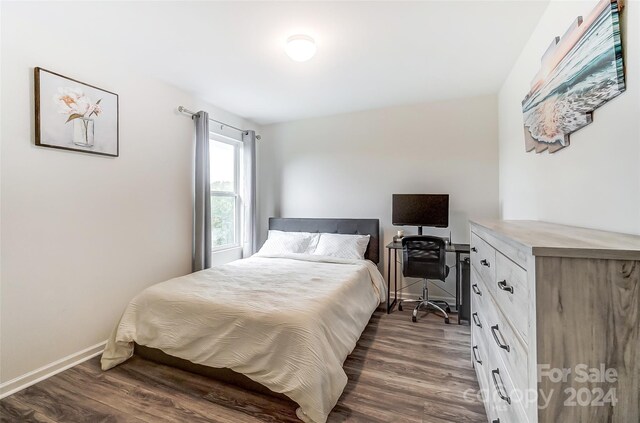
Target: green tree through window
[[223, 164]]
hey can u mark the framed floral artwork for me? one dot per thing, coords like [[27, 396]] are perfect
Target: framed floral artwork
[[72, 115]]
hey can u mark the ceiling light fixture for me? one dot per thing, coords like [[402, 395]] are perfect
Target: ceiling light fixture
[[300, 47]]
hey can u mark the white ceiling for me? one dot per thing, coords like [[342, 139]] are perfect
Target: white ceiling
[[370, 54]]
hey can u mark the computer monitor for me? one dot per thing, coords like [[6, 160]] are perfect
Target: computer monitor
[[421, 210]]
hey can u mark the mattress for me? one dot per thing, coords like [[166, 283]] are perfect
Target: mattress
[[286, 322]]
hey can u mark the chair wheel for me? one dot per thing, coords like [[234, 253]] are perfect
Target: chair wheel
[[399, 306], [448, 309], [446, 320], [414, 319]]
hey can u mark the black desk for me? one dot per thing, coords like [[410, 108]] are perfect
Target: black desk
[[458, 249]]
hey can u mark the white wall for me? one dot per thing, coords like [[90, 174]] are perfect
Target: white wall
[[595, 182], [82, 234], [349, 165]]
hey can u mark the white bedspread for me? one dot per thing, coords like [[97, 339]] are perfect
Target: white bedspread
[[287, 322]]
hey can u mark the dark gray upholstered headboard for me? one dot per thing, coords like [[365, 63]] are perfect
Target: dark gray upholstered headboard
[[334, 226]]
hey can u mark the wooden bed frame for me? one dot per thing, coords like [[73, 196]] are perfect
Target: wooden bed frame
[[339, 226]]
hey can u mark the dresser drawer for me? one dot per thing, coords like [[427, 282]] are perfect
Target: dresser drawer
[[503, 343], [512, 294], [479, 289], [483, 259], [506, 402], [480, 357], [479, 313], [484, 392], [480, 347], [481, 366]]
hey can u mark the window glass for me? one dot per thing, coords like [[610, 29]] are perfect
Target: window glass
[[222, 166], [223, 220], [225, 198]]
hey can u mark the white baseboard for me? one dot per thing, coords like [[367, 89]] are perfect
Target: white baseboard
[[21, 382]]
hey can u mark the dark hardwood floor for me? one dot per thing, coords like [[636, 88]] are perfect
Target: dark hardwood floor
[[399, 372]]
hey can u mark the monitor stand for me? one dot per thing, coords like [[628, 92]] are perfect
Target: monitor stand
[[447, 240]]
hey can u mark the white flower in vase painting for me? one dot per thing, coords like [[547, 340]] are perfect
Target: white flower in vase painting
[[74, 103], [79, 108]]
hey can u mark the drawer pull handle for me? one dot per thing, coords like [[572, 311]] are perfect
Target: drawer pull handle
[[476, 290], [495, 374], [503, 286], [484, 262], [495, 421], [476, 320], [475, 357], [494, 332], [474, 249]]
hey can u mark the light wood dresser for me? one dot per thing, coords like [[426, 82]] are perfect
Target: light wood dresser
[[555, 322]]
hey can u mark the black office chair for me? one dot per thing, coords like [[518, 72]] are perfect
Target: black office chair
[[425, 257]]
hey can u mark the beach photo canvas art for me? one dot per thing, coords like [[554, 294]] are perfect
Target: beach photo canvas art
[[72, 115], [580, 71]]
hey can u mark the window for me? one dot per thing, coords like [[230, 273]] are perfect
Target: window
[[224, 165]]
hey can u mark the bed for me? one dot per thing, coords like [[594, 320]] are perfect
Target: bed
[[277, 323]]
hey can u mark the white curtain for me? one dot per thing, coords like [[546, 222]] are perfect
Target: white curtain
[[250, 234]]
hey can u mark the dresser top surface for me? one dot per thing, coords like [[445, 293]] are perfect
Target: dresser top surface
[[550, 239]]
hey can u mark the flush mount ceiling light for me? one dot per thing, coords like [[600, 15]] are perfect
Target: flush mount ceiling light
[[300, 47]]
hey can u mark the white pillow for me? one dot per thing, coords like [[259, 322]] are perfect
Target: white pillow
[[279, 242], [343, 246]]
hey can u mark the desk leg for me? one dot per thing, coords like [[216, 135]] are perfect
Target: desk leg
[[395, 276], [458, 284], [391, 304], [388, 280]]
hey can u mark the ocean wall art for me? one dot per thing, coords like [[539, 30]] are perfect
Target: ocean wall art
[[580, 71]]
